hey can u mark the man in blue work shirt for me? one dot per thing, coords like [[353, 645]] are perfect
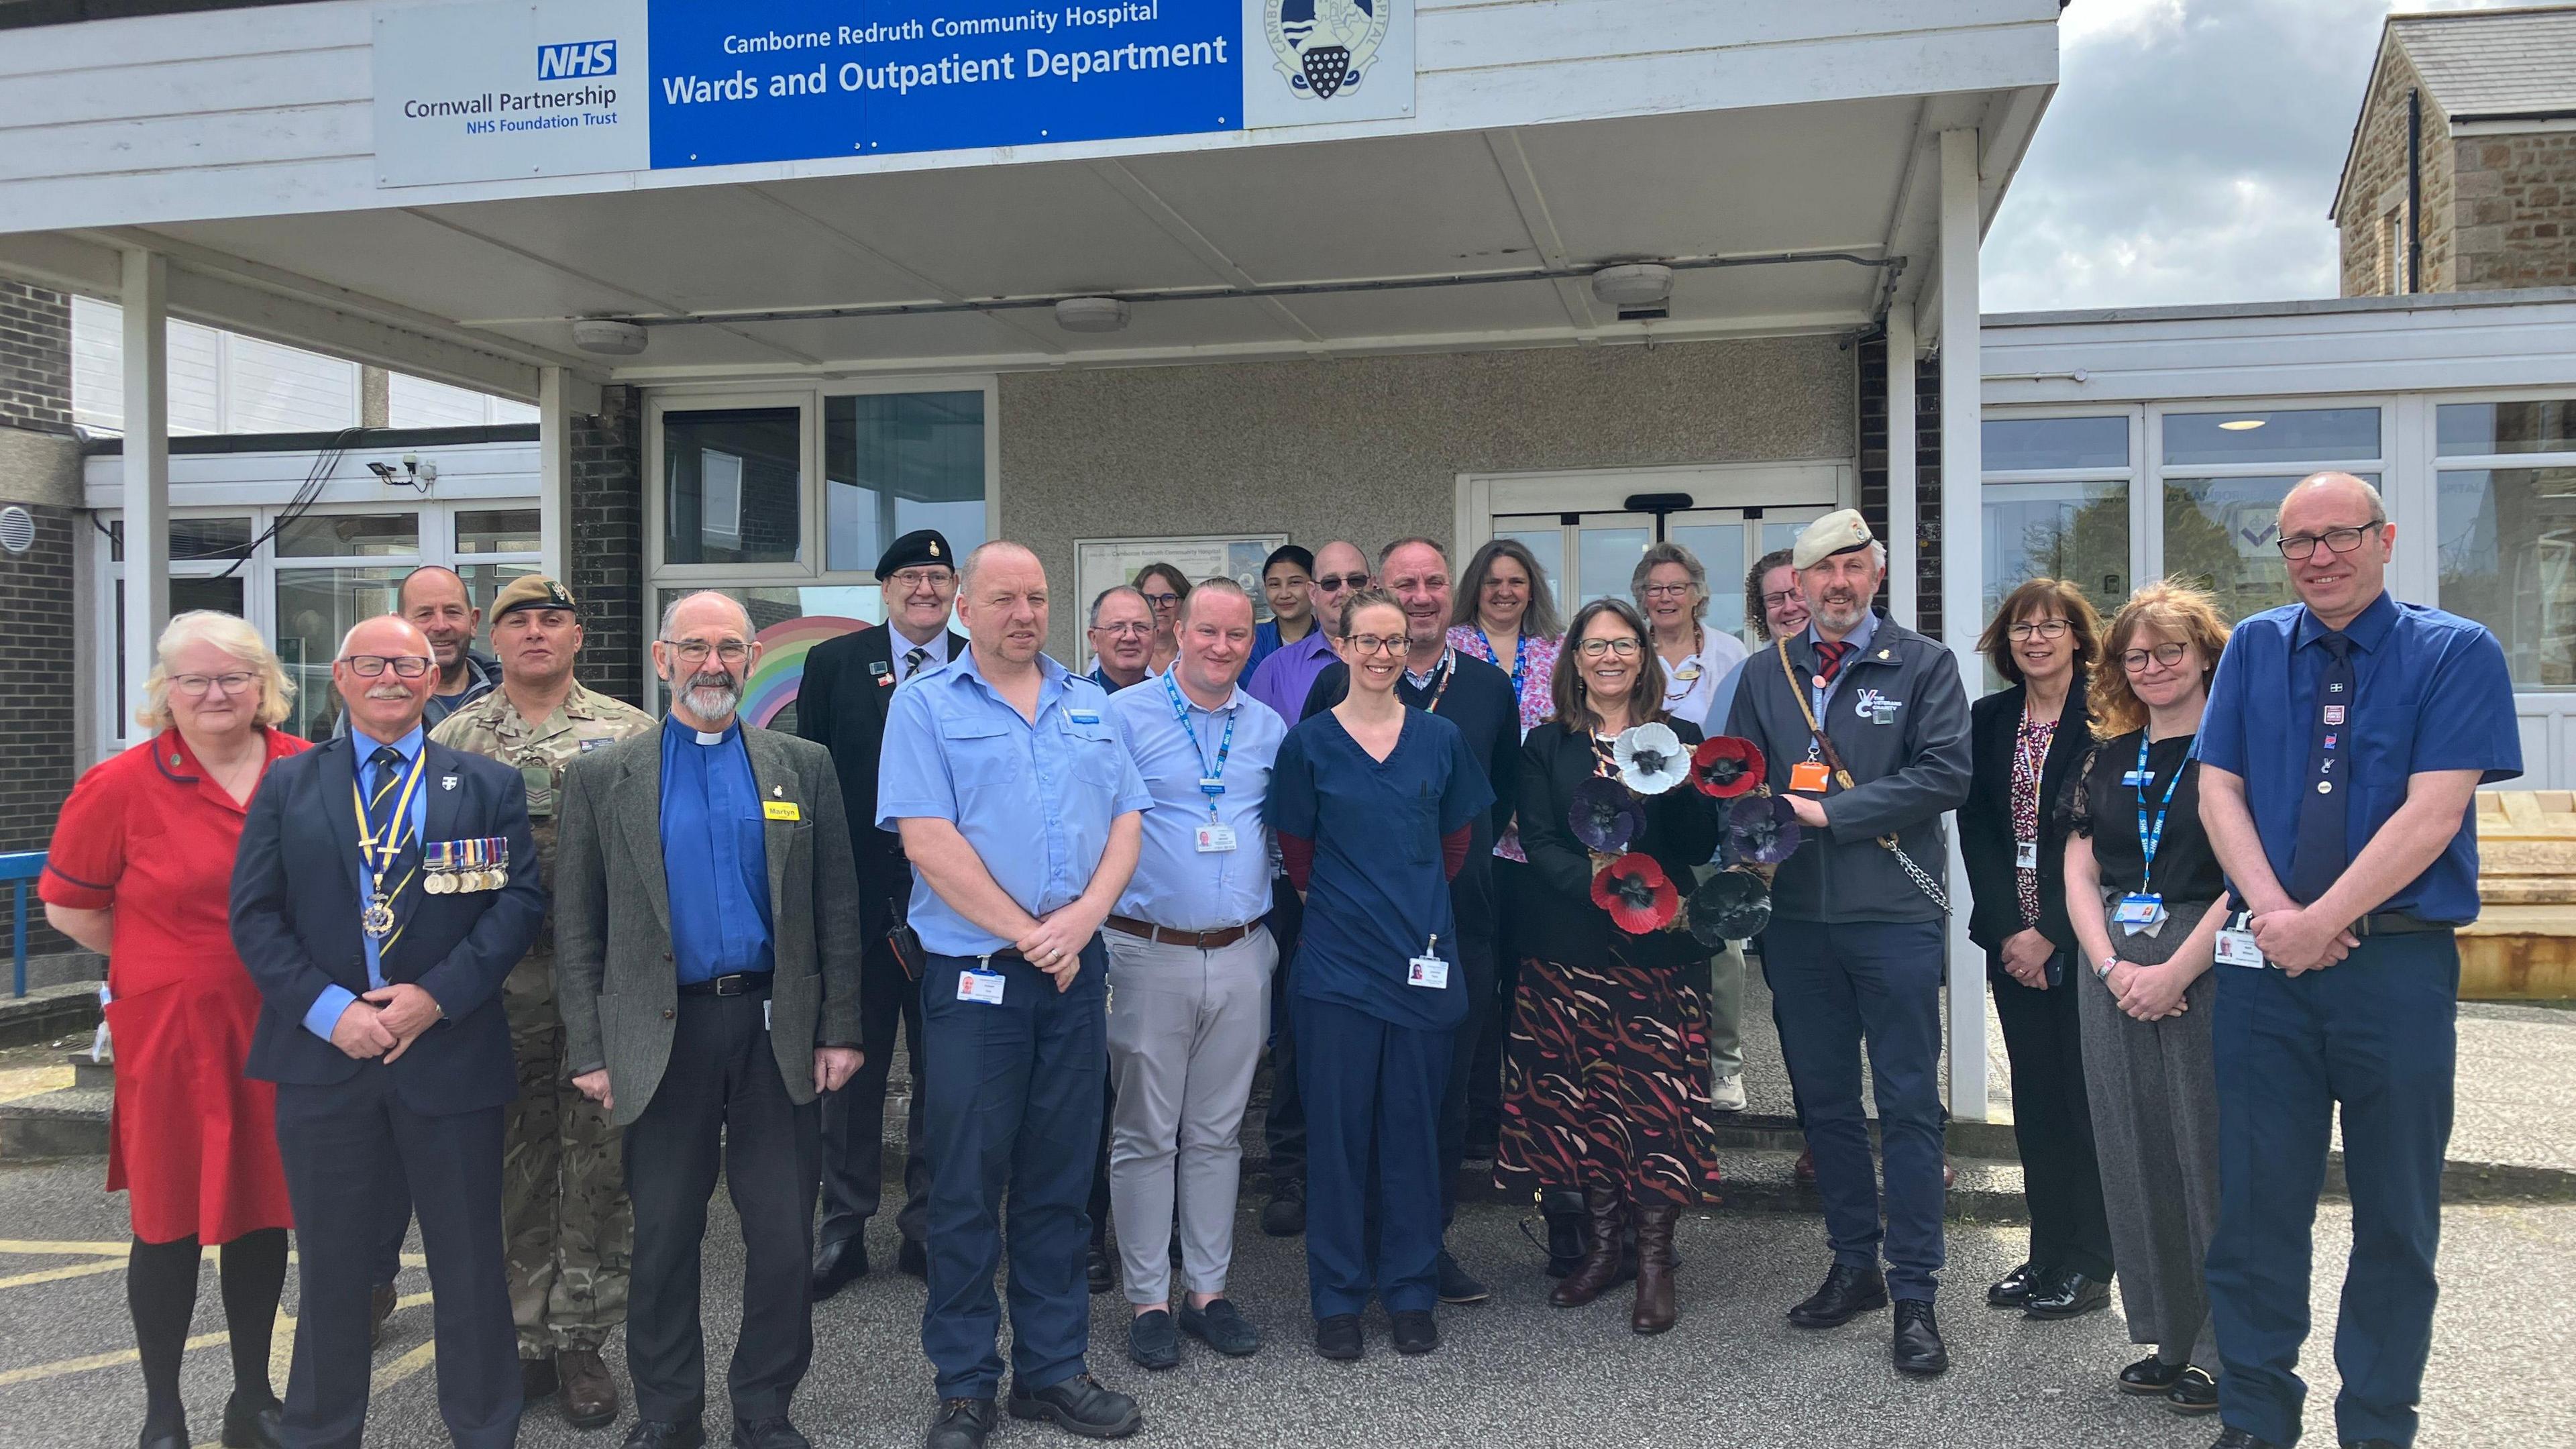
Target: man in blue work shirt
[[1189, 975], [2344, 739], [1020, 812]]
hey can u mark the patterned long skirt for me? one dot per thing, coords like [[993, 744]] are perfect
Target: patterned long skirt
[[1606, 1082]]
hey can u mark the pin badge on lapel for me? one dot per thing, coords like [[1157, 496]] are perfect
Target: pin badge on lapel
[[447, 782], [778, 791]]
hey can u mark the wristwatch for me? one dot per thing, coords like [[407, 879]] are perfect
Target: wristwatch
[[2102, 970]]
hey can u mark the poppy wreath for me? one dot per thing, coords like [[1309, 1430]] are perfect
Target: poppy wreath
[[1726, 767], [1638, 895]]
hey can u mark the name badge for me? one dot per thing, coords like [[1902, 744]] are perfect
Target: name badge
[[1809, 776], [1083, 716], [780, 810], [977, 984], [2025, 855], [2236, 948], [1215, 839], [1428, 971], [764, 1013], [2139, 913], [2136, 778]]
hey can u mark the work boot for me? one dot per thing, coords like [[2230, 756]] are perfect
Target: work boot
[[1599, 1267], [1654, 1310]]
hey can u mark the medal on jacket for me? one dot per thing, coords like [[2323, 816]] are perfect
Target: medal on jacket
[[379, 852]]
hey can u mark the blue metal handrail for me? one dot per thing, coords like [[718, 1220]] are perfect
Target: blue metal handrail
[[18, 869]]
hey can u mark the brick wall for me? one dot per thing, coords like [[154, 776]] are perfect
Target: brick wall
[[607, 553], [1872, 394], [2377, 185], [38, 750], [35, 355], [2517, 211]]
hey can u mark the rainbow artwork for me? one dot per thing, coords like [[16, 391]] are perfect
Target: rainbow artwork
[[783, 647]]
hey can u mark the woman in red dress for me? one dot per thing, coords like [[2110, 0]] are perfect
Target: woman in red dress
[[141, 869]]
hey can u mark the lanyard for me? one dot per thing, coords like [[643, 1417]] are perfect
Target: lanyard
[[1447, 669], [1211, 780], [379, 854], [1699, 646], [2150, 838], [2033, 765], [1520, 660]]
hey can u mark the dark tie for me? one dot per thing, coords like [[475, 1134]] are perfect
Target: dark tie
[[389, 778], [1830, 654], [383, 823], [912, 661], [2325, 801]]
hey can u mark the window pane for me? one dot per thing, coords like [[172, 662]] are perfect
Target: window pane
[[191, 539], [897, 462], [1547, 545], [503, 530], [2223, 534], [1719, 547], [1606, 558], [483, 582], [314, 608], [2015, 443], [731, 486], [2469, 429], [2078, 532], [2508, 548], [788, 621], [349, 535], [224, 596], [2323, 435]]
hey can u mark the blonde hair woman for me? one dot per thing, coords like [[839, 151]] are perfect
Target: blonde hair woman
[[140, 870]]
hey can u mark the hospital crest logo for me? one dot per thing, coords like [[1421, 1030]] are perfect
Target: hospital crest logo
[[1325, 47]]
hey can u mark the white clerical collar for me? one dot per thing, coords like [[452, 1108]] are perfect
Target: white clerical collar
[[710, 739]]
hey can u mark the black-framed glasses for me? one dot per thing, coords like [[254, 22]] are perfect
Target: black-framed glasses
[[695, 651], [1379, 643], [369, 666], [2029, 629], [914, 578], [2168, 655], [1780, 600], [1335, 583], [1595, 648], [2299, 547], [1162, 601]]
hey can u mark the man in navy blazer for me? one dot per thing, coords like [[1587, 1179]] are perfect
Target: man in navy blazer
[[384, 887]]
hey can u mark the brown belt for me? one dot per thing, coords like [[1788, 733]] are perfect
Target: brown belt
[[1165, 935]]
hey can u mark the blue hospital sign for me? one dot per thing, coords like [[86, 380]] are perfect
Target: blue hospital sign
[[580, 58]]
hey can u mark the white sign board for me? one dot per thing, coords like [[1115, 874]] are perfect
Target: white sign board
[[1308, 62], [487, 92], [1101, 562]]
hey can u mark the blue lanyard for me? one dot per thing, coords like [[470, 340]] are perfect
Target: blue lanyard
[[1211, 781], [2149, 839], [1520, 660]]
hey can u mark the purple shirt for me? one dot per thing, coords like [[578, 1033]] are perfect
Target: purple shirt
[[1284, 678]]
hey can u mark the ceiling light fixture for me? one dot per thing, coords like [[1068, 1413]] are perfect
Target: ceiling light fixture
[[1091, 314], [1633, 284], [2241, 425], [609, 337]]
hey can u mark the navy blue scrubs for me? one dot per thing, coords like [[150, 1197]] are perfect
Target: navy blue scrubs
[[1372, 1049]]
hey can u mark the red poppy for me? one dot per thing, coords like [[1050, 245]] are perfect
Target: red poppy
[[1636, 893], [1725, 766]]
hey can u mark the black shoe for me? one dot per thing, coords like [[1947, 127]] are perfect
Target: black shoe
[[2194, 1393], [1917, 1348], [838, 1264], [1338, 1337], [671, 1434], [2232, 1437], [254, 1425], [537, 1379], [913, 1258], [2066, 1295], [380, 1307], [1284, 1216], [1220, 1328], [960, 1424], [2014, 1290], [1152, 1341], [1457, 1285], [1079, 1405], [1416, 1331], [2150, 1376], [2370, 1444], [1096, 1271], [176, 1438], [1846, 1293], [1566, 1222], [774, 1433]]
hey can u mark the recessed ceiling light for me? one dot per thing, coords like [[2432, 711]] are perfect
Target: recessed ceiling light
[[2242, 425]]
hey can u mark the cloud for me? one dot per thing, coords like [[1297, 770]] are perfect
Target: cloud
[[2189, 155]]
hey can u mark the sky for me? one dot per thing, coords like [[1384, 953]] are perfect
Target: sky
[[2189, 155]]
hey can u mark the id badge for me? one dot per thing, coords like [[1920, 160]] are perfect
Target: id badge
[[1809, 777], [1428, 971], [2025, 855], [2138, 914], [764, 1013], [2236, 948], [977, 984], [1215, 839]]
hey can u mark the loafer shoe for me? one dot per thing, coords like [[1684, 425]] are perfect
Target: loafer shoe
[[1917, 1348], [1457, 1285], [1152, 1341], [1338, 1337], [912, 1258], [960, 1424], [253, 1425], [2232, 1437], [1805, 1172], [1846, 1293], [537, 1380], [589, 1395], [1220, 1328], [380, 1307], [769, 1433], [839, 1264], [2150, 1376], [2013, 1290], [1079, 1405], [165, 1438], [2067, 1295], [2195, 1392], [1284, 1216], [1416, 1331], [1097, 1275], [666, 1434]]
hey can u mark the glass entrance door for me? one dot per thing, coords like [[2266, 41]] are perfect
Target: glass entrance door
[[1589, 555]]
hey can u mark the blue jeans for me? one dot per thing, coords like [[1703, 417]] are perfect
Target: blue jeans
[[2377, 1033], [1836, 988], [1012, 1102]]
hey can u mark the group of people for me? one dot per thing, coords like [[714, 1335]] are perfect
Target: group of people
[[521, 962]]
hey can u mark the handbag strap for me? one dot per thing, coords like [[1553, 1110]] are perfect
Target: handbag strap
[[1843, 776]]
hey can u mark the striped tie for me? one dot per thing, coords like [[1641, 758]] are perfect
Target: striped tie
[[384, 822], [1829, 658]]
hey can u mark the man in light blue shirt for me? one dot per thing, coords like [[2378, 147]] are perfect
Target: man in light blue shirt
[[1189, 974], [1020, 812]]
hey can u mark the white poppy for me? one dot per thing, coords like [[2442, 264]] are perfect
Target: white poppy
[[1651, 759]]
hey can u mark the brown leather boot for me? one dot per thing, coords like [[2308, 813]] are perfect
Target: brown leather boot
[[588, 1394], [1654, 1310], [1599, 1267]]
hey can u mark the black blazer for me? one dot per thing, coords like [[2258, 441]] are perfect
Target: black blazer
[[295, 922], [841, 705], [1681, 835], [1985, 819]]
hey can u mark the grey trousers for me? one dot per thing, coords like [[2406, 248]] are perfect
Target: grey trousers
[[1726, 1012], [1186, 1028], [2154, 1090]]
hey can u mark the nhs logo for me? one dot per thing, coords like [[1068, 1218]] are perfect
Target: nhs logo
[[576, 60]]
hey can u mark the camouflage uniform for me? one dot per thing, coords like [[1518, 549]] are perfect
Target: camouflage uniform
[[564, 1213]]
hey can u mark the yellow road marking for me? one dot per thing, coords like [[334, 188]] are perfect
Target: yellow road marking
[[21, 1082], [404, 1367], [36, 1245], [77, 1270], [95, 1361], [279, 1356]]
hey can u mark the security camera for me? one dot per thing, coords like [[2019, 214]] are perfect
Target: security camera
[[411, 464]]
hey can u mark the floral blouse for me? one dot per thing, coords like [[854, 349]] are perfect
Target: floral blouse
[[1536, 678], [2030, 756]]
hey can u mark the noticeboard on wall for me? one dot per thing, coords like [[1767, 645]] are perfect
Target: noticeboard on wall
[[1101, 562]]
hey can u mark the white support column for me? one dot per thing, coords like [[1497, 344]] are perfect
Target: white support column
[[1962, 571], [554, 474], [144, 294], [1903, 529]]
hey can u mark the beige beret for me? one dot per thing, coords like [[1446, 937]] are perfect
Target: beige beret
[[1840, 531]]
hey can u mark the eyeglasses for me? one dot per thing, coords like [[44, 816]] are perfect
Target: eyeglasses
[[197, 686], [1667, 591], [2030, 629], [1378, 643], [914, 578], [2299, 547], [695, 651], [1781, 600], [1162, 601], [1335, 583], [1139, 630], [2168, 655], [1595, 648], [404, 666]]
